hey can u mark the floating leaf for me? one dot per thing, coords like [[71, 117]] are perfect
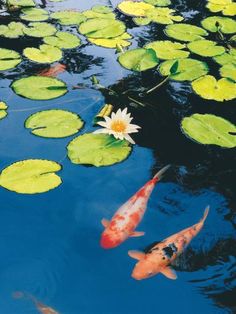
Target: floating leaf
[[104, 112], [209, 88], [226, 24], [135, 8], [229, 57], [97, 150], [163, 16], [99, 11], [227, 7], [9, 59], [206, 48], [168, 50], [229, 71], [38, 29], [188, 69], [34, 14], [54, 123], [12, 30], [112, 42], [45, 54], [209, 129], [31, 176], [39, 87], [139, 59], [185, 32], [3, 111], [102, 28], [68, 17], [20, 3], [63, 40], [159, 3]]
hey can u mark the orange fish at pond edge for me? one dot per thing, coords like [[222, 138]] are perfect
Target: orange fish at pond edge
[[124, 222], [159, 258], [53, 71], [42, 308]]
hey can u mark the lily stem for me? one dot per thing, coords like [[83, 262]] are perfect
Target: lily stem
[[158, 85]]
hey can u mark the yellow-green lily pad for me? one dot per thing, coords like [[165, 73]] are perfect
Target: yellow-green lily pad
[[229, 71], [34, 14], [43, 54], [119, 41], [39, 29], [3, 110], [9, 59], [206, 48], [167, 50], [69, 17], [63, 40], [12, 30], [226, 24], [185, 32]]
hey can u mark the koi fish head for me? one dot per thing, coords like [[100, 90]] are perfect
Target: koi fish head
[[144, 269], [111, 239]]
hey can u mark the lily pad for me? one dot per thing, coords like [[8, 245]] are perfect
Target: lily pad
[[209, 129], [206, 48], [12, 30], [97, 150], [185, 32], [209, 88], [188, 69], [34, 14], [159, 3], [99, 11], [102, 28], [139, 59], [119, 41], [40, 29], [21, 3], [135, 8], [227, 7], [228, 57], [45, 54], [68, 17], [168, 50], [226, 24], [229, 71], [3, 110], [54, 123], [31, 176], [39, 87], [163, 16], [63, 40], [9, 59]]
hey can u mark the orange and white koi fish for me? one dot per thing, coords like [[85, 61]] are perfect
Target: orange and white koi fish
[[42, 308], [53, 71], [126, 219], [158, 259]]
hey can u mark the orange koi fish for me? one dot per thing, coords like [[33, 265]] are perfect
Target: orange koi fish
[[53, 71], [159, 258], [126, 219]]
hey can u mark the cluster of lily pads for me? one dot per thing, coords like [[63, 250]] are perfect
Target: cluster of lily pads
[[101, 27]]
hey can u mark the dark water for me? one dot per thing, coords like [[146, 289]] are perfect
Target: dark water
[[50, 242]]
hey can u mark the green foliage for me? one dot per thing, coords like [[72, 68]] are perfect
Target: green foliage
[[185, 32], [206, 48], [39, 30], [9, 59], [214, 23], [12, 30], [63, 40], [34, 14], [68, 17], [166, 49]]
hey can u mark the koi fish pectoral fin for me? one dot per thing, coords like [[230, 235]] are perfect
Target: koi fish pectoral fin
[[169, 273], [137, 234], [136, 255], [105, 222]]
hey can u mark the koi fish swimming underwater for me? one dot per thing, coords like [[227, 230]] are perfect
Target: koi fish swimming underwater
[[42, 308], [126, 219], [159, 258], [53, 71]]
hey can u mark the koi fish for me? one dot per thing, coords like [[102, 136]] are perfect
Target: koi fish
[[42, 308], [126, 219], [159, 258], [53, 71]]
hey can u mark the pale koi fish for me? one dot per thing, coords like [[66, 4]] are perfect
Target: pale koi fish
[[42, 308], [123, 224], [53, 71], [160, 257]]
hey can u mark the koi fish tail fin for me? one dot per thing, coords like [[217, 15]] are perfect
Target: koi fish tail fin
[[160, 173], [206, 212]]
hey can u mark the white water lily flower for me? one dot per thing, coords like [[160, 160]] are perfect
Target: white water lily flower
[[119, 125]]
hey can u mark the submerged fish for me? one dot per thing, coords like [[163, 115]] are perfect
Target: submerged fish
[[159, 258], [53, 70], [126, 219]]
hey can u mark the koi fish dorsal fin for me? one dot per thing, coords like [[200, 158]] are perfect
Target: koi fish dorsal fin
[[105, 222], [206, 212], [137, 234], [136, 255], [169, 273], [160, 173]]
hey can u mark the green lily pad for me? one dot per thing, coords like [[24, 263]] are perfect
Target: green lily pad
[[229, 71], [45, 54], [54, 123], [209, 88], [134, 8], [9, 59], [206, 48], [102, 28], [3, 110], [168, 50], [31, 176], [34, 14], [40, 29], [228, 57], [139, 59], [12, 30], [99, 11], [159, 3], [209, 129], [63, 40], [163, 16], [188, 69], [68, 17], [119, 41], [227, 7], [20, 3], [226, 24], [185, 32], [97, 150], [39, 87]]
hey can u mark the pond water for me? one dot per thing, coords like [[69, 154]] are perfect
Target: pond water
[[50, 242]]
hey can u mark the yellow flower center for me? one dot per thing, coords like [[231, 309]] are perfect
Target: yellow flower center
[[118, 126]]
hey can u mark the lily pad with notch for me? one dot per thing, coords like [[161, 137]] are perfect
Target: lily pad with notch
[[43, 54], [185, 32], [9, 59], [63, 40], [167, 50]]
